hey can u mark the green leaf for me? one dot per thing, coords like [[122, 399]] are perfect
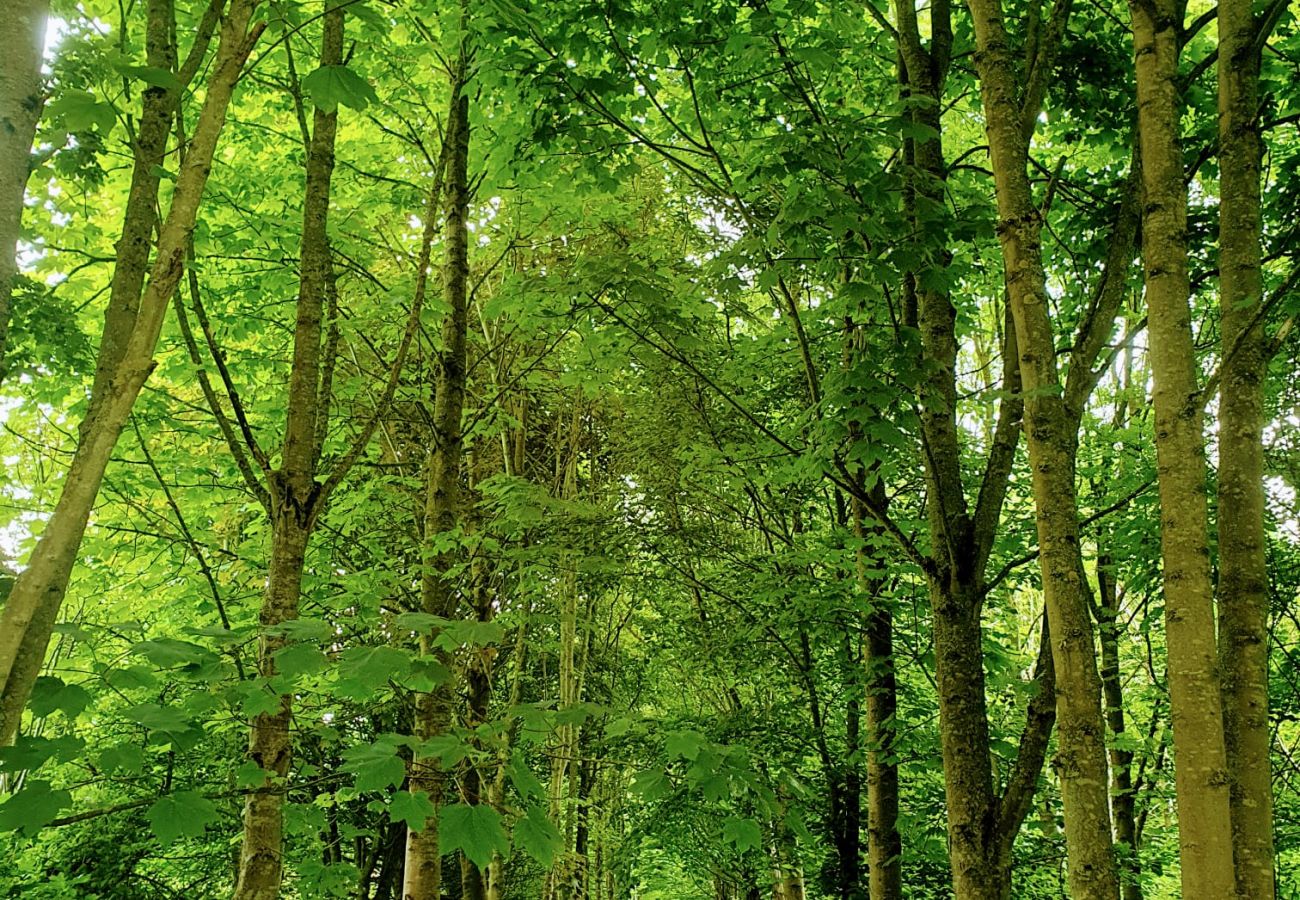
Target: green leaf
[[744, 833], [152, 76], [158, 718], [168, 653], [181, 814], [412, 808], [32, 808], [299, 659], [50, 694], [31, 751], [305, 630], [122, 758], [474, 830], [651, 784], [683, 744], [364, 670], [329, 86], [80, 111], [376, 766], [537, 836], [522, 777], [251, 775]]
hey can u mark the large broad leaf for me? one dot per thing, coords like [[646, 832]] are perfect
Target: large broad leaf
[[744, 833], [376, 766], [537, 836], [412, 808], [474, 830], [364, 670], [32, 808], [50, 694], [329, 86], [80, 111], [31, 751], [182, 814]]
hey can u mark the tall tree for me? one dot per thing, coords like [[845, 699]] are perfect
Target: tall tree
[[1051, 434], [132, 324], [438, 595], [1243, 589], [295, 496], [22, 31], [1200, 761]]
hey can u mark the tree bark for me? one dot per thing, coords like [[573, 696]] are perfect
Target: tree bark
[[423, 879], [22, 34], [295, 501], [884, 844], [1200, 769], [32, 608], [1243, 568], [1052, 438], [1121, 760]]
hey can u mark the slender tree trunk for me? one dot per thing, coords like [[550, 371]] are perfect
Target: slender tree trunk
[[1200, 759], [423, 879], [22, 34], [1121, 760], [564, 767], [1243, 569], [294, 501], [884, 844], [1051, 437], [33, 605]]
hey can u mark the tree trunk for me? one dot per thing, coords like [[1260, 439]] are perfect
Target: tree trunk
[[884, 845], [1052, 438], [295, 502], [33, 604], [423, 879], [1243, 569], [1121, 760], [22, 34], [1200, 769]]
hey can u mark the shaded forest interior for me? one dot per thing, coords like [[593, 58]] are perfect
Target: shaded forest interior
[[719, 449]]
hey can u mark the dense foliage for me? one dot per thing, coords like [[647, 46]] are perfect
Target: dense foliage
[[603, 447]]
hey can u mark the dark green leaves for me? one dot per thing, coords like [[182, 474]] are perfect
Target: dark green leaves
[[474, 830], [52, 694], [412, 808], [329, 86], [537, 836], [32, 808], [182, 814], [376, 766]]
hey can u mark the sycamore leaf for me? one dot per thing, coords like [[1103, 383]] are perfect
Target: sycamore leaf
[[122, 758], [651, 784], [50, 694], [329, 86], [365, 670], [299, 659], [80, 111], [152, 76], [304, 630], [412, 808], [537, 836], [31, 751], [168, 652], [180, 814], [744, 833], [683, 744], [474, 830], [32, 808], [376, 766], [523, 779]]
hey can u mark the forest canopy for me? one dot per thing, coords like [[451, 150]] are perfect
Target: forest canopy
[[696, 449]]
